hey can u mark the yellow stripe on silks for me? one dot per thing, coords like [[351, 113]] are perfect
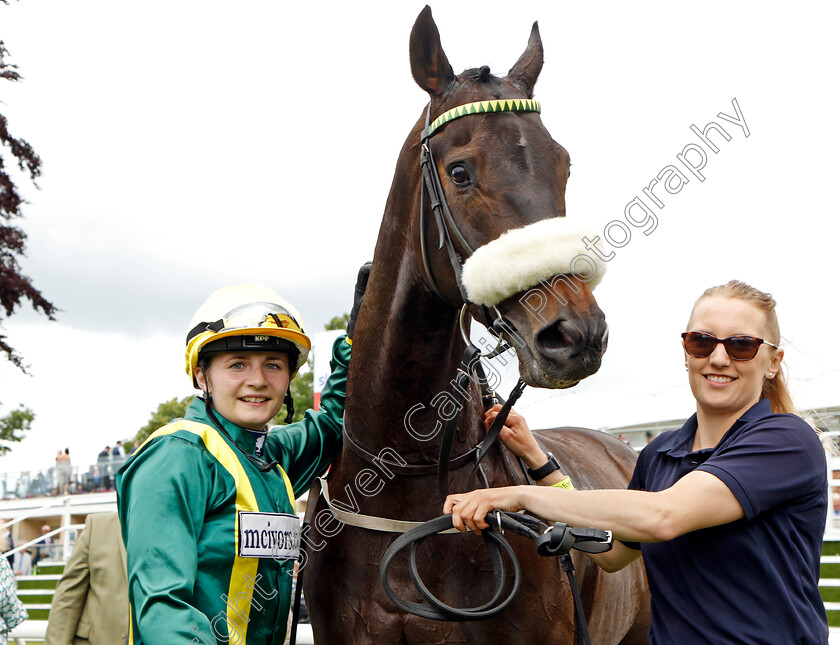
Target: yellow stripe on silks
[[245, 501], [130, 626], [289, 489], [485, 107]]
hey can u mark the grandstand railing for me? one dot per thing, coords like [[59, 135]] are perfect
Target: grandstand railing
[[87, 478]]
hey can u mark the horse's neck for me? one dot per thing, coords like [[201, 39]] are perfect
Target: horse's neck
[[404, 362], [408, 345]]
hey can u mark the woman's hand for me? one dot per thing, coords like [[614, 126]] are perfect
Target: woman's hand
[[468, 509], [517, 436]]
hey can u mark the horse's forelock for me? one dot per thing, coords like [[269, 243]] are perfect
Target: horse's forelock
[[480, 75], [483, 74]]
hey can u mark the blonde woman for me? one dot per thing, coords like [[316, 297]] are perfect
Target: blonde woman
[[727, 512]]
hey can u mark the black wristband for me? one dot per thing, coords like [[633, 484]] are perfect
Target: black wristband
[[546, 470]]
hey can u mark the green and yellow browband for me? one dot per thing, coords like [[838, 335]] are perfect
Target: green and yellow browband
[[483, 107]]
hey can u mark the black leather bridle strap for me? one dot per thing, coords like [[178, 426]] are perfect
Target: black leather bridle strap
[[443, 219], [581, 628], [447, 228], [498, 423], [296, 607]]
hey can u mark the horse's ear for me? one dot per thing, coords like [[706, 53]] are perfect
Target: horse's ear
[[526, 70], [429, 65]]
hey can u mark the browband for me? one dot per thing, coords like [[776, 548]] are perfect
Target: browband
[[482, 107]]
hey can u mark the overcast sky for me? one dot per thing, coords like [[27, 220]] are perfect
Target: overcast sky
[[189, 145]]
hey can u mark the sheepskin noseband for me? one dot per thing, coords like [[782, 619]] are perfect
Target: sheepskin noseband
[[521, 258]]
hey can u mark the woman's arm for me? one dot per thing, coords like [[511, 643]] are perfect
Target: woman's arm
[[698, 500], [518, 438]]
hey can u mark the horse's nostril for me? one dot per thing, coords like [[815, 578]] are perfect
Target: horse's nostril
[[606, 337], [560, 335]]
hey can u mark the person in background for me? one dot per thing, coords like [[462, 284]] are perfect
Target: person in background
[[193, 495], [63, 471], [44, 549], [90, 604], [726, 512], [103, 462], [835, 504], [23, 563], [117, 456]]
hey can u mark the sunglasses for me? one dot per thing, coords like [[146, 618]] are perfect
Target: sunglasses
[[739, 348]]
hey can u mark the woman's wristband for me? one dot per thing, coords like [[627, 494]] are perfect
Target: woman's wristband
[[564, 483]]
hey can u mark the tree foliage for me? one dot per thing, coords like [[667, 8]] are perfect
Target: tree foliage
[[15, 287], [303, 386], [339, 322], [14, 425], [174, 408], [301, 394]]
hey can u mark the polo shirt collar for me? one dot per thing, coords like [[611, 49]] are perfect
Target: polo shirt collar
[[678, 443]]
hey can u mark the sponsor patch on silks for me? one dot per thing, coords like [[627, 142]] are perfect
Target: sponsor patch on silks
[[269, 535]]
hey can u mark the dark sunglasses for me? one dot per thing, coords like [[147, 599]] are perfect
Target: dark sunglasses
[[739, 348]]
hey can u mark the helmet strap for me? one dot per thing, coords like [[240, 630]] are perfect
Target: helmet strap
[[290, 406]]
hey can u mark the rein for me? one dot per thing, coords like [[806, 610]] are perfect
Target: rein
[[471, 365], [556, 540]]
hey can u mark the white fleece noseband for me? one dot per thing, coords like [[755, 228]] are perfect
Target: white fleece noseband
[[520, 258]]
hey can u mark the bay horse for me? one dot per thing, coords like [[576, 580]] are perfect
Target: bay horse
[[498, 172]]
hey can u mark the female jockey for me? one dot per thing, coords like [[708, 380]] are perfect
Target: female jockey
[[207, 503]]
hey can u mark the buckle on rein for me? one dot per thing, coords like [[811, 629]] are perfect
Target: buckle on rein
[[559, 539]]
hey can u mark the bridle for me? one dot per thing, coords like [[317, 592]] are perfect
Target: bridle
[[447, 232], [446, 226]]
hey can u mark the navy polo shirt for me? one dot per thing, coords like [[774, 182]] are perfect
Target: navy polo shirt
[[753, 580]]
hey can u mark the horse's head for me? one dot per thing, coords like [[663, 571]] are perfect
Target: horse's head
[[503, 179]]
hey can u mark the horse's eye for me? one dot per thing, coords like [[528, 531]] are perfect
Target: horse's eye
[[459, 175]]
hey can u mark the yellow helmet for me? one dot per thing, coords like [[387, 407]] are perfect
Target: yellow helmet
[[246, 317]]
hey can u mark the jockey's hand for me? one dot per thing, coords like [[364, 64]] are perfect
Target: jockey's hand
[[358, 295], [469, 509], [517, 437]]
